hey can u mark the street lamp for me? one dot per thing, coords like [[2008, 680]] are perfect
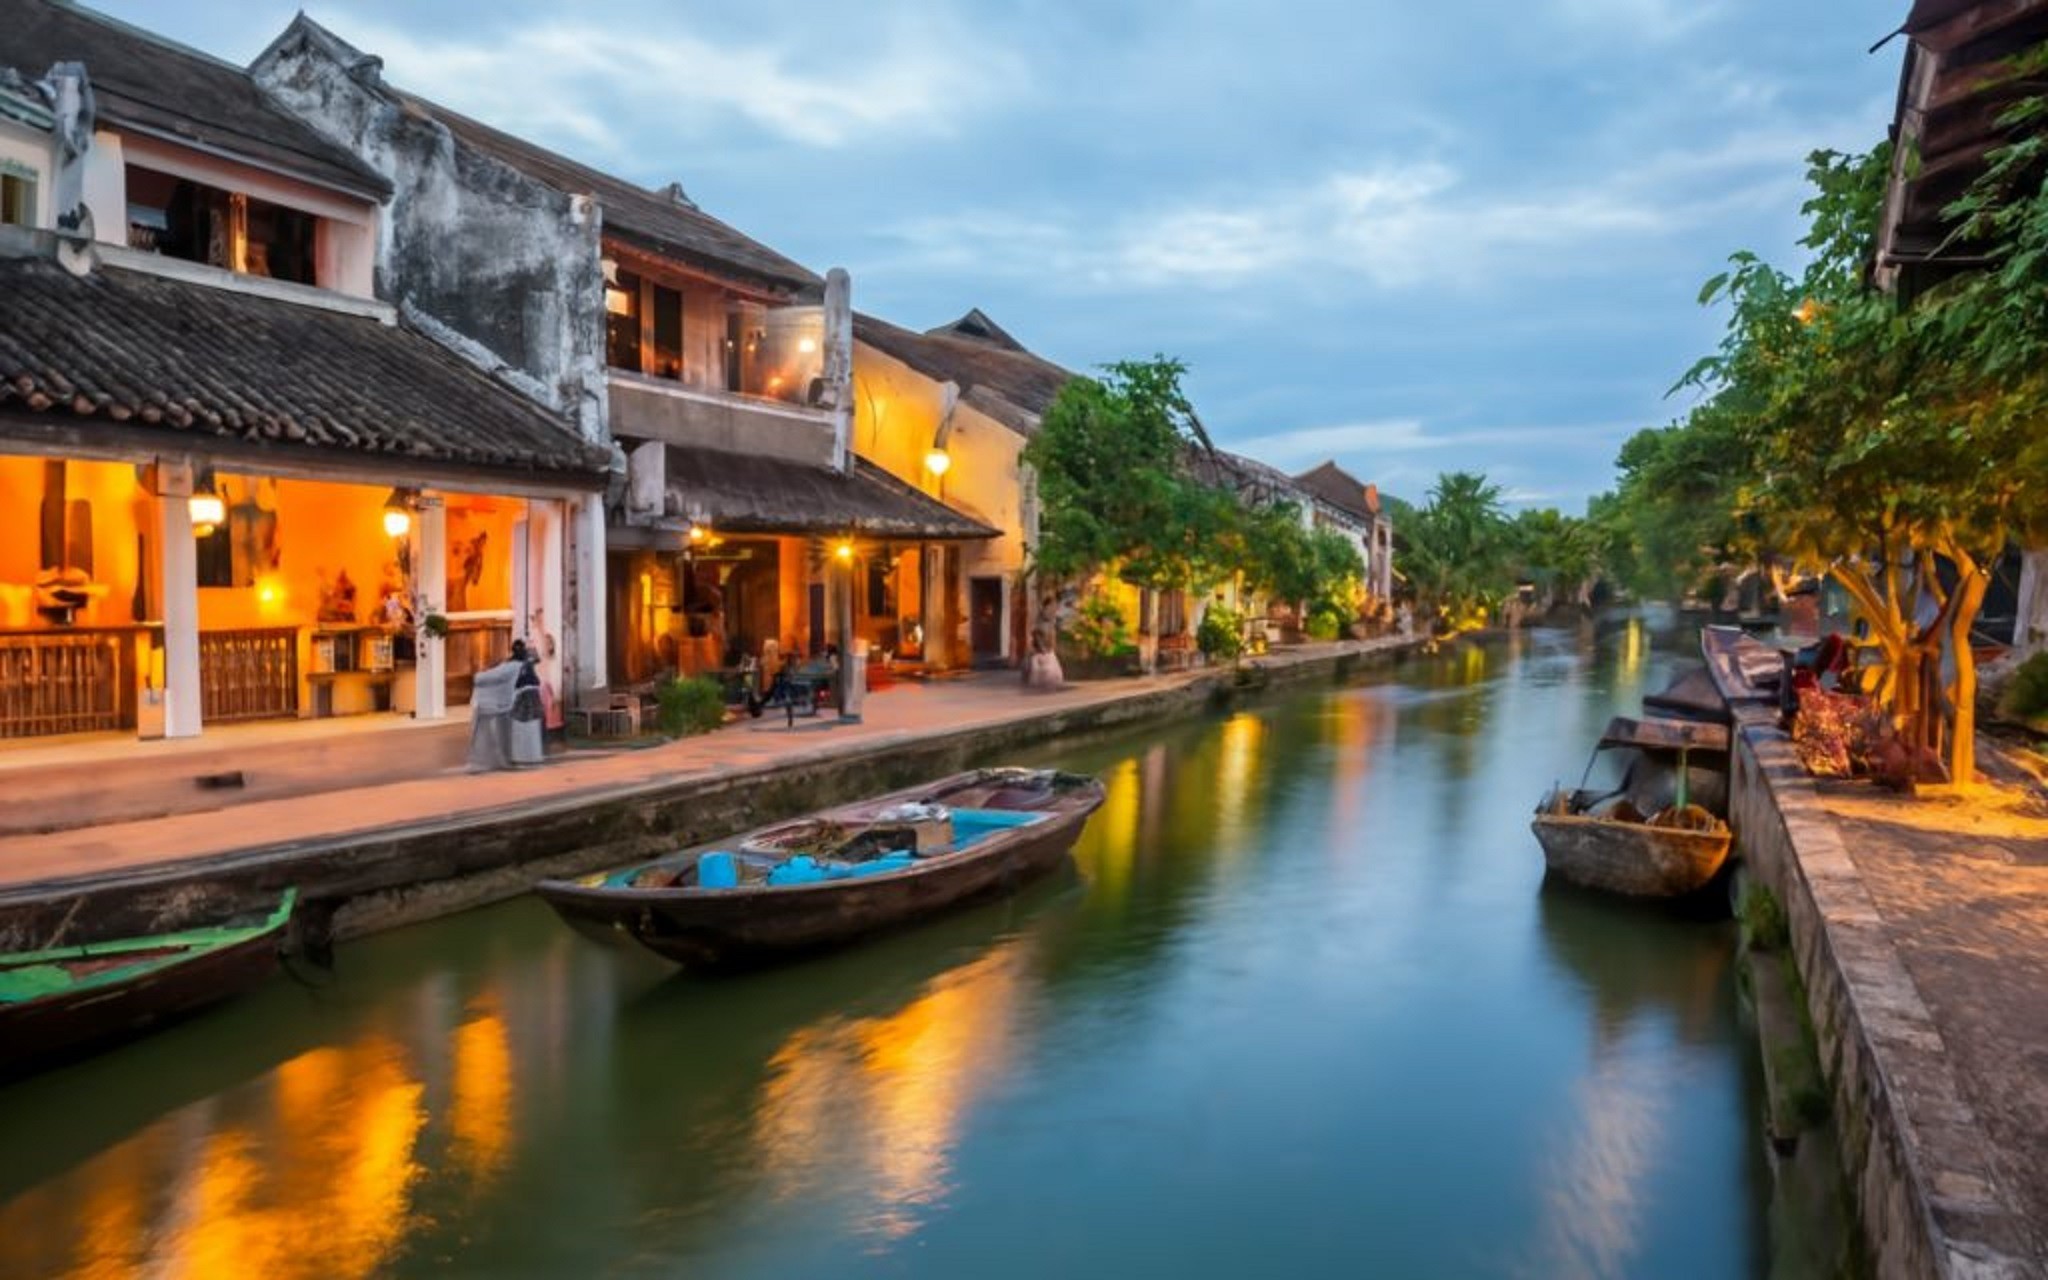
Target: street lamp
[[205, 505], [398, 513]]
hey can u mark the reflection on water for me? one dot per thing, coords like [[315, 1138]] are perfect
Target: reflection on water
[[877, 1103], [1307, 1009]]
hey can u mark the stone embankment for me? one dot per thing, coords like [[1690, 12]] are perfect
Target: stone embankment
[[1938, 1128], [368, 876]]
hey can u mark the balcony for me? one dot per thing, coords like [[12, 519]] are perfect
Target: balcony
[[645, 408]]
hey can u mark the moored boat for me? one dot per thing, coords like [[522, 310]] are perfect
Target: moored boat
[[837, 875], [1651, 837], [1691, 696], [60, 1002]]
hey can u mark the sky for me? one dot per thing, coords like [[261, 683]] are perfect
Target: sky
[[1466, 234]]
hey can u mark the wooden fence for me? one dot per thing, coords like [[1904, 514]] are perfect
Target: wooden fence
[[80, 681], [248, 674]]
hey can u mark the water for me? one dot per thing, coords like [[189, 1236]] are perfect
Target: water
[[1303, 1008]]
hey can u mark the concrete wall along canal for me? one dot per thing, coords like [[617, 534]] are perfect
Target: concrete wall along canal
[[1912, 1148], [361, 884]]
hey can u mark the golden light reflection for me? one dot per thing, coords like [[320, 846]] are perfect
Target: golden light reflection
[[1635, 647], [876, 1105], [1237, 763], [480, 1115], [314, 1180], [1109, 852]]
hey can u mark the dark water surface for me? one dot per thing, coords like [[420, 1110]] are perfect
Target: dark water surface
[[1303, 1008]]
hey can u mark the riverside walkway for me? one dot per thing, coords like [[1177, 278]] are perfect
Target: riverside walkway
[[906, 715], [1920, 926]]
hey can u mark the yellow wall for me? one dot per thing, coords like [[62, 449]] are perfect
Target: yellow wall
[[120, 508]]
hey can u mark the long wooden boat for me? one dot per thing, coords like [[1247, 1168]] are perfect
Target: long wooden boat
[[1743, 668], [1691, 696], [835, 876], [60, 1002], [1605, 841]]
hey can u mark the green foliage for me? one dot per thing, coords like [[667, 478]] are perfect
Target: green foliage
[[1455, 549], [2026, 697], [1763, 918], [1221, 635], [692, 705], [1109, 455], [1100, 629], [1324, 625]]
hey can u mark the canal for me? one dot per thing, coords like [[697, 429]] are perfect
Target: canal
[[1302, 1007]]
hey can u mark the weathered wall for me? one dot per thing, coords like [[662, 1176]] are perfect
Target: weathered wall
[[1911, 1146], [468, 243], [645, 408]]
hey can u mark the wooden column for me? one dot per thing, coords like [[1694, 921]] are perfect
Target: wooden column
[[178, 558], [430, 585]]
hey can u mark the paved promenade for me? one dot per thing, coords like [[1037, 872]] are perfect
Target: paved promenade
[[908, 712], [1962, 887]]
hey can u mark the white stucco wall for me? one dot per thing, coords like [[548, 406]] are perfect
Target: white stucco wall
[[26, 149]]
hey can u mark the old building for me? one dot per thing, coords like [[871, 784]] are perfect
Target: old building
[[1345, 502], [719, 369], [950, 410], [234, 484]]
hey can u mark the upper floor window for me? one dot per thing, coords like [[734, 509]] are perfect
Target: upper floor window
[[17, 195], [180, 218], [622, 321]]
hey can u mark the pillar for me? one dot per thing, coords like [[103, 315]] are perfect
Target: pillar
[[430, 588], [180, 567], [583, 640]]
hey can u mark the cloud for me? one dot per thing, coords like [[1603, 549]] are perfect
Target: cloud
[[1393, 225], [616, 86]]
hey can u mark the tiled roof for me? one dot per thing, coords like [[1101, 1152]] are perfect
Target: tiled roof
[[747, 493], [651, 220], [1342, 490], [208, 364], [154, 86], [994, 374]]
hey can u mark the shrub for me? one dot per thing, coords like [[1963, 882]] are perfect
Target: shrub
[[1324, 624], [1221, 635], [1100, 630], [2027, 695], [692, 705]]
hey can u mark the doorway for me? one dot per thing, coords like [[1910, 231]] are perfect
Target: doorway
[[985, 621]]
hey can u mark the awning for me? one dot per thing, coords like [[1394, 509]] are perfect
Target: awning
[[747, 493]]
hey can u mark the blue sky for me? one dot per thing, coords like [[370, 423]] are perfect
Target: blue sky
[[1415, 237]]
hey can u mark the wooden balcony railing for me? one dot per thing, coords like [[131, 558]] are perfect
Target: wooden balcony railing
[[70, 681], [249, 674]]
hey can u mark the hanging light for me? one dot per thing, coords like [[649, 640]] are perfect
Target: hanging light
[[938, 461], [205, 505], [398, 513], [697, 534], [844, 550]]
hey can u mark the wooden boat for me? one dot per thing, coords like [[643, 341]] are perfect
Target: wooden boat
[[1743, 668], [1603, 840], [63, 1001], [837, 875], [1692, 696]]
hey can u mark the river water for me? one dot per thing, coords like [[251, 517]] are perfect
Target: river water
[[1303, 1007]]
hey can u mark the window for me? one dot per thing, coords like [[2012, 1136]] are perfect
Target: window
[[668, 333], [17, 196], [622, 321], [179, 218]]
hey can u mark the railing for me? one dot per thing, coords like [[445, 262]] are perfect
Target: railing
[[250, 674], [79, 681]]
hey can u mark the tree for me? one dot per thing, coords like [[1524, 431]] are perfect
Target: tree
[[1554, 552], [1111, 457], [1454, 549], [1891, 446]]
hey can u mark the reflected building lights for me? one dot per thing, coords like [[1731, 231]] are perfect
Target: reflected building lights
[[480, 1113], [889, 1095]]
